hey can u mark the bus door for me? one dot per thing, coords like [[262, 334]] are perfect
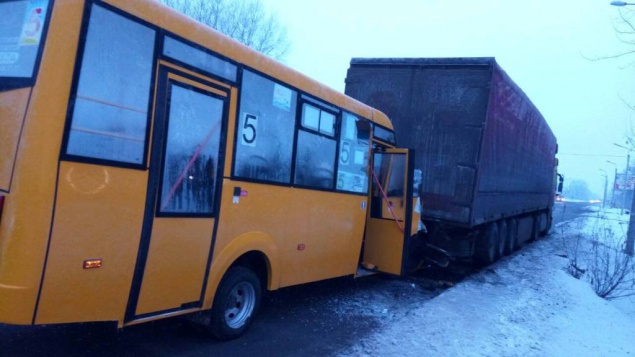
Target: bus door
[[183, 194], [389, 223]]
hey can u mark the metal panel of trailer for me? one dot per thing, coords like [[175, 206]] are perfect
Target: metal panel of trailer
[[484, 149]]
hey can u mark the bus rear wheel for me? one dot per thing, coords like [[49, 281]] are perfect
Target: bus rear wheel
[[235, 304]]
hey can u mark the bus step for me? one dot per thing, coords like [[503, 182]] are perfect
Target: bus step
[[361, 271]]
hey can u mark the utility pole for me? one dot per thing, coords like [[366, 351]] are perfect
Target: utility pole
[[625, 184], [606, 181], [630, 235], [628, 158], [614, 182]]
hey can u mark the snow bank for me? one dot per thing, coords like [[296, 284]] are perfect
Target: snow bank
[[608, 220], [524, 305]]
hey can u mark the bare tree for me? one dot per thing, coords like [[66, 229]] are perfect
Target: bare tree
[[597, 256], [625, 29], [578, 189], [624, 25], [246, 21]]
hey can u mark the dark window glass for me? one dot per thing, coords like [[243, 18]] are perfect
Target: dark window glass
[[110, 114], [264, 137], [384, 135], [315, 156], [315, 160], [199, 59], [396, 184], [191, 155], [389, 179], [21, 27], [352, 172]]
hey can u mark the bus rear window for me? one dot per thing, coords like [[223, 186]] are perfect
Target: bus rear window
[[20, 36]]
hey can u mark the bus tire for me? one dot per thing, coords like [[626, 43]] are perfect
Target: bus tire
[[235, 304]]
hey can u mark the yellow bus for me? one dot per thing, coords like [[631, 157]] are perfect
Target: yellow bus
[[151, 167]]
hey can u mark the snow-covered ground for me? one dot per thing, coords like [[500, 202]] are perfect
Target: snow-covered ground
[[524, 305]]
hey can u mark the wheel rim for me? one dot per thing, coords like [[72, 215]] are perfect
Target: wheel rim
[[240, 305]]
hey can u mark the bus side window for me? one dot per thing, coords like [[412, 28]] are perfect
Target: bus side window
[[352, 172], [264, 137], [110, 113], [20, 47], [315, 157]]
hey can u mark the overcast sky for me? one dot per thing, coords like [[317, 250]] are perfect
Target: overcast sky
[[541, 44]]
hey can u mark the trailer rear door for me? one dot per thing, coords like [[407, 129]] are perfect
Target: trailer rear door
[[390, 212]]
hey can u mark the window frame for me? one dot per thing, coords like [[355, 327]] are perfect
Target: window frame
[[302, 97], [79, 59], [160, 51], [218, 174], [12, 83], [322, 106], [160, 34], [381, 139], [235, 139], [369, 153]]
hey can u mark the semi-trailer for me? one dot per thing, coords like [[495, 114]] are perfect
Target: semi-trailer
[[486, 154]]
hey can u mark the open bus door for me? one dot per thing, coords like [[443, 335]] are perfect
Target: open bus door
[[390, 220]]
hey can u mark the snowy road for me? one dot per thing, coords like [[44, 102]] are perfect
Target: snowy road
[[523, 305], [332, 317]]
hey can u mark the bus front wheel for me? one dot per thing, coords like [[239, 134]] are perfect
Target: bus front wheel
[[235, 304]]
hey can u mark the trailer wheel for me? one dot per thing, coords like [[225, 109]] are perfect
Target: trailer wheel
[[549, 222], [512, 236], [502, 238], [535, 230], [485, 250], [235, 304], [546, 218]]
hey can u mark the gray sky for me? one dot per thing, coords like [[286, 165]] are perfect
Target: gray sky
[[541, 44]]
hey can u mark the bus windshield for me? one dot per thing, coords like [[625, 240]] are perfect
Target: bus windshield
[[20, 36]]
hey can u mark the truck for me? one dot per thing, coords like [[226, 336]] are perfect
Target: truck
[[487, 156]]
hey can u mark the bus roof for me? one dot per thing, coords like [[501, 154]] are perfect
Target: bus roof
[[165, 17]]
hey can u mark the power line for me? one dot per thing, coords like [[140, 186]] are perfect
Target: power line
[[600, 155]]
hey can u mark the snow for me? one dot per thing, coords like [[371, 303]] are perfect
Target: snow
[[524, 305]]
